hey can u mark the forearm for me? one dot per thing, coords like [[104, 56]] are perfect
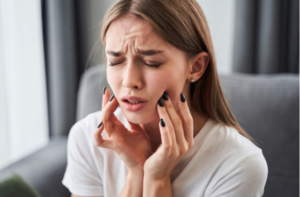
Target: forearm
[[154, 188], [134, 185]]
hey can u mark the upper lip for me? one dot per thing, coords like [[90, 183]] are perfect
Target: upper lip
[[133, 98]]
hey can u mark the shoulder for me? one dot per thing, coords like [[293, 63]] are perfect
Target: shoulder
[[83, 129], [229, 139], [240, 160]]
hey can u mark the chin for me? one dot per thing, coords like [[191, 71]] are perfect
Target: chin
[[139, 118]]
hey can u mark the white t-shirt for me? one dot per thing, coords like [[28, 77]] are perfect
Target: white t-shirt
[[222, 162]]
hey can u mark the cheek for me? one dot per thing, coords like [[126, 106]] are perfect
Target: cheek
[[113, 79], [170, 81], [157, 83], [175, 81]]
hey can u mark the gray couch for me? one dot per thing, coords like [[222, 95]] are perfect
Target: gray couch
[[267, 107]]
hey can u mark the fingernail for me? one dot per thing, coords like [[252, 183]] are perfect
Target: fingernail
[[104, 88], [100, 124], [182, 98], [160, 102], [162, 122], [111, 98], [165, 96]]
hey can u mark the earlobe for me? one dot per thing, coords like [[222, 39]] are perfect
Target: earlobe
[[199, 65]]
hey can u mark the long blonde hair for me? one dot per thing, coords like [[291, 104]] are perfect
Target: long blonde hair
[[183, 24]]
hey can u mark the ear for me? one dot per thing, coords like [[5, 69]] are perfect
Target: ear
[[198, 66]]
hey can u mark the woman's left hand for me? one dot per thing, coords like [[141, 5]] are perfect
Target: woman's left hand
[[177, 138]]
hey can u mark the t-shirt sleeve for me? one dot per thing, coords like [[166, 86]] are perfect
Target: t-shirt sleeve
[[81, 177], [247, 178]]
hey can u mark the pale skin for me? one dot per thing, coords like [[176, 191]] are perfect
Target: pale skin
[[149, 150]]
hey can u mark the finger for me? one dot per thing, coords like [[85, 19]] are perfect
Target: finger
[[109, 108], [99, 141], [108, 127], [108, 116], [188, 125], [175, 119], [105, 96], [164, 133], [163, 114]]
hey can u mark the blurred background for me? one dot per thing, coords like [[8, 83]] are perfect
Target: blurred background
[[45, 45]]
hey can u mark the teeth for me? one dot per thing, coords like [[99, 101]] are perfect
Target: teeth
[[134, 101]]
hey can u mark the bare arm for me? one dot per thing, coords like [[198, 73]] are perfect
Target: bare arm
[[134, 185]]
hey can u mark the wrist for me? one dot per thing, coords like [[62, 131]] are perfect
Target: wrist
[[157, 177], [137, 171], [154, 186], [161, 179]]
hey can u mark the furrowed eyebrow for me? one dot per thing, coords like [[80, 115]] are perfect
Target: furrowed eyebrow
[[113, 53], [149, 52], [142, 52]]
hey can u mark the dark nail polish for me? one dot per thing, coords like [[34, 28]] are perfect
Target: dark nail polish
[[111, 98], [182, 98], [165, 96], [162, 122], [104, 88], [160, 102], [100, 124]]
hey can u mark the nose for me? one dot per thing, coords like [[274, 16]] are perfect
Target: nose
[[132, 77]]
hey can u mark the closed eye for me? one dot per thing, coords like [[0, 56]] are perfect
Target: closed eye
[[115, 63], [149, 65], [152, 65]]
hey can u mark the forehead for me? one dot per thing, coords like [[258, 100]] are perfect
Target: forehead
[[131, 30]]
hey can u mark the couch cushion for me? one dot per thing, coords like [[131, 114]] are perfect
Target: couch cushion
[[267, 107], [89, 97]]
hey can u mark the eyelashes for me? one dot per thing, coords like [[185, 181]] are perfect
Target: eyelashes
[[114, 63], [152, 65], [149, 65]]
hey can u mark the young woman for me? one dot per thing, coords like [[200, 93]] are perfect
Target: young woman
[[167, 129]]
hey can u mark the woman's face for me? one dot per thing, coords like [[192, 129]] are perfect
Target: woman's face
[[141, 64]]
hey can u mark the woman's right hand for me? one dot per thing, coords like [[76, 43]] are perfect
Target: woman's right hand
[[132, 145]]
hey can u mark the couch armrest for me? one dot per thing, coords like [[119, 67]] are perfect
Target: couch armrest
[[44, 169]]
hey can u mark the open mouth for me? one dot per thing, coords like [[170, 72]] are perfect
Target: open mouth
[[134, 101]]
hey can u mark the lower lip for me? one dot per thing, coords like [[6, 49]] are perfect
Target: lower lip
[[134, 107]]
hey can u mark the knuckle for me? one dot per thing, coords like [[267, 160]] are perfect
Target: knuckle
[[177, 122], [97, 142], [163, 112], [176, 154], [190, 120], [184, 148], [168, 146], [191, 144], [165, 132], [169, 129], [167, 103], [173, 155]]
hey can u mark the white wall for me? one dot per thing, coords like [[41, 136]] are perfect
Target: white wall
[[23, 107], [220, 18]]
